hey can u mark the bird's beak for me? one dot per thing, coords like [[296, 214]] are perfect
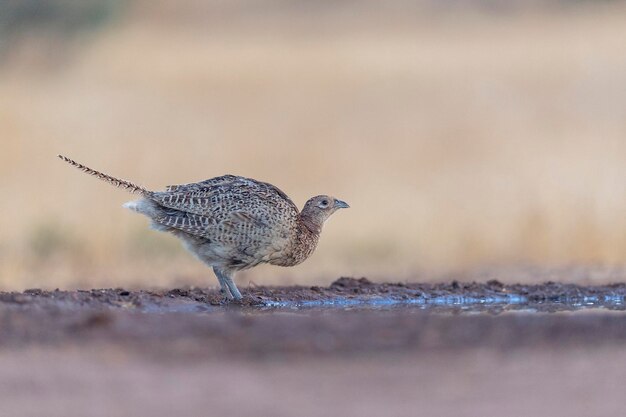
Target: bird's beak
[[341, 204]]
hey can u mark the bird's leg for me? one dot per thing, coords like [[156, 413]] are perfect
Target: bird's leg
[[223, 287], [227, 284], [233, 288]]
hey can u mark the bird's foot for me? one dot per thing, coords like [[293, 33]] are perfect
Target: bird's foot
[[226, 297]]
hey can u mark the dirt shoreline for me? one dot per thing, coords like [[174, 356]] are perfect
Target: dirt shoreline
[[344, 288]]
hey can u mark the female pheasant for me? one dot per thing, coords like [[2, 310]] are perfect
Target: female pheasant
[[232, 223]]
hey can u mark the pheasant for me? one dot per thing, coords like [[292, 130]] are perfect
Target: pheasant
[[232, 223]]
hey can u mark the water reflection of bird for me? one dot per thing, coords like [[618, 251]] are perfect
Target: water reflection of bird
[[232, 223]]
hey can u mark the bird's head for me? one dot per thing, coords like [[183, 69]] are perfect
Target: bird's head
[[318, 209]]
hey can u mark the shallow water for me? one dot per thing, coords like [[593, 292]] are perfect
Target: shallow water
[[496, 303], [492, 304]]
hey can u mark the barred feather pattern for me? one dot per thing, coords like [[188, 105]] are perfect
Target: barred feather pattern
[[127, 185], [241, 221]]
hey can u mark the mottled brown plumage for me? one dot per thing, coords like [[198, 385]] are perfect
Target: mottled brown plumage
[[232, 223]]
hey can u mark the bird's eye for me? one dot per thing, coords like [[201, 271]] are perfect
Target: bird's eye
[[324, 203]]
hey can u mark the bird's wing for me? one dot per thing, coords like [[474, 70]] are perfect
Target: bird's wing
[[220, 196], [239, 229], [194, 224], [241, 219], [237, 211], [199, 197]]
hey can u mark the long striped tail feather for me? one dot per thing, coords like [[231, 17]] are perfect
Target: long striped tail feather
[[116, 182]]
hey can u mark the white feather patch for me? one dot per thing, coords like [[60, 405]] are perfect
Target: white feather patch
[[132, 205]]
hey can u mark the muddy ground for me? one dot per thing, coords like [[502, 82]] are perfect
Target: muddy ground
[[353, 348], [351, 315]]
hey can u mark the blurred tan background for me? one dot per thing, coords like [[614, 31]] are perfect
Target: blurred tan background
[[464, 135]]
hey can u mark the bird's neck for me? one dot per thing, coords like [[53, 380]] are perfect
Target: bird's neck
[[303, 243], [311, 225]]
